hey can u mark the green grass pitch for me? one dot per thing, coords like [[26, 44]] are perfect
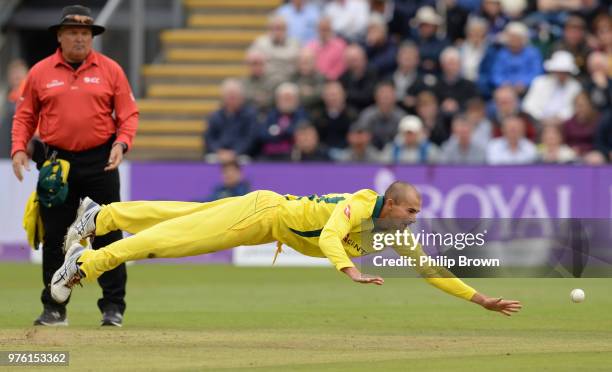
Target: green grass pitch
[[188, 317]]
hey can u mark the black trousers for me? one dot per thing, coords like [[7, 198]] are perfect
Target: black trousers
[[87, 177]]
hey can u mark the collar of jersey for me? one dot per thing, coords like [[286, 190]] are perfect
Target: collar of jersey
[[380, 200]]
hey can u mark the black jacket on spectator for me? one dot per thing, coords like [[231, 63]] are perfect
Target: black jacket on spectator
[[233, 132], [333, 129], [382, 58], [320, 154], [359, 91], [600, 97], [603, 139], [456, 18], [403, 11], [441, 130], [461, 90]]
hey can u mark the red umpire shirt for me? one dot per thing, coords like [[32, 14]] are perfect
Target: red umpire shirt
[[75, 110]]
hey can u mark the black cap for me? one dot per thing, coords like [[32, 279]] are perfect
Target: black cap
[[77, 15]]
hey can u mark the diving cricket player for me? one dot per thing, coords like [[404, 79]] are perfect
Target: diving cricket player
[[328, 226]]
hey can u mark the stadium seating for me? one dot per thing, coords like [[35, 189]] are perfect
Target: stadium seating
[[184, 87]]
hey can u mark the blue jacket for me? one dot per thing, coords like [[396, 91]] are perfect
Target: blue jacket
[[221, 191], [233, 132], [383, 58], [516, 68], [429, 50]]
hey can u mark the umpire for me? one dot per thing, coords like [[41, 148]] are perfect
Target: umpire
[[81, 103]]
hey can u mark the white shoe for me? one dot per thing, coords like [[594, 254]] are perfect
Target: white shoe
[[68, 274], [84, 226]]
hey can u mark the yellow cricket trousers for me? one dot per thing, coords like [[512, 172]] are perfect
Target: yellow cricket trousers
[[167, 229]]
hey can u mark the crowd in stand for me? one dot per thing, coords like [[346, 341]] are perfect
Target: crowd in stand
[[407, 81]]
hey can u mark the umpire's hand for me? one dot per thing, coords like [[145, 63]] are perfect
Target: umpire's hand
[[116, 156], [20, 160]]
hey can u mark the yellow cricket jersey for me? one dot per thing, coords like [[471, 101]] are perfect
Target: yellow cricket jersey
[[333, 226]]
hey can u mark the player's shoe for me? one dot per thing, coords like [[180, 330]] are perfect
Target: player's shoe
[[51, 318], [112, 317], [84, 226], [68, 274]]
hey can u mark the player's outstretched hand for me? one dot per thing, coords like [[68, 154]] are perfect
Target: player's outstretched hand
[[358, 277], [366, 279], [506, 307]]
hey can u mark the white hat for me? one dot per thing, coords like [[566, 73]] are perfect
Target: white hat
[[427, 14], [410, 123], [561, 61]]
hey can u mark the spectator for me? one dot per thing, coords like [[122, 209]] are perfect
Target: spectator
[[476, 114], [360, 148], [451, 89], [407, 77], [598, 83], [456, 19], [257, 85], [436, 126], [281, 51], [358, 81], [603, 138], [233, 183], [349, 17], [379, 48], [276, 133], [329, 51], [590, 9], [574, 41], [473, 48], [395, 14], [506, 104], [16, 73], [302, 17], [579, 131], [335, 119], [512, 148], [382, 117], [602, 28], [554, 11], [425, 36], [552, 149], [462, 147], [307, 146], [231, 129], [308, 80], [491, 10], [517, 63], [411, 144], [551, 96], [594, 158]]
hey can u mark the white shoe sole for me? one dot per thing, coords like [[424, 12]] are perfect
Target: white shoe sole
[[72, 236]]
